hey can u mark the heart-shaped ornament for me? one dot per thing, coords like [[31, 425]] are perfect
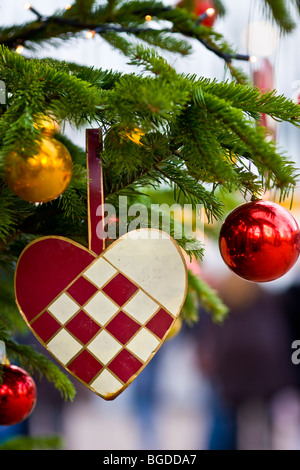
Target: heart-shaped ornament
[[102, 313]]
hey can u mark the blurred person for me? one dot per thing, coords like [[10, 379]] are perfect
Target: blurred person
[[247, 360]]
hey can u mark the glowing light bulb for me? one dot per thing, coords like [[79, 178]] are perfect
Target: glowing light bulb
[[19, 49], [90, 34], [210, 12], [67, 7], [27, 6], [148, 17], [253, 59]]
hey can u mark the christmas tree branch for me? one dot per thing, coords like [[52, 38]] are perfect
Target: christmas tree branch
[[280, 14], [36, 363], [282, 173], [128, 18], [201, 294], [169, 102]]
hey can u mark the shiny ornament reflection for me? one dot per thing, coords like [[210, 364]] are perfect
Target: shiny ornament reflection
[[47, 125], [259, 241], [17, 395]]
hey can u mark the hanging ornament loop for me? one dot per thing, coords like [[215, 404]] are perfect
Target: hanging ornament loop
[[95, 189]]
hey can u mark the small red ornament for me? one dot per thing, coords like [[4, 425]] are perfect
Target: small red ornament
[[17, 395], [260, 241], [201, 6]]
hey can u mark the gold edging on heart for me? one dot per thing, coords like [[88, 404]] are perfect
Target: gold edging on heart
[[111, 396]]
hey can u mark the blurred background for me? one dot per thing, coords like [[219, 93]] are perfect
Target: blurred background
[[209, 387]]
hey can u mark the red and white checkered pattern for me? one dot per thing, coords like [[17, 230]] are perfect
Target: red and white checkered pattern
[[102, 317], [103, 328]]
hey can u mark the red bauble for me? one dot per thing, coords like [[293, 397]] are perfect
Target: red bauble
[[17, 395], [200, 7], [260, 241]]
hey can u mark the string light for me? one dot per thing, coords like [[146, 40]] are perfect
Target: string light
[[90, 34], [104, 28], [27, 6], [19, 49], [210, 12], [249, 58], [207, 14]]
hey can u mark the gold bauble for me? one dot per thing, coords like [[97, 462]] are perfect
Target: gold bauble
[[47, 125], [42, 177], [135, 135], [117, 136], [175, 328]]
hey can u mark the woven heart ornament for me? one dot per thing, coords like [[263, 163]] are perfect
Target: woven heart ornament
[[102, 313]]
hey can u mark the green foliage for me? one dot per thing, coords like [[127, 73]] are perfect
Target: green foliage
[[33, 443], [201, 294], [38, 364], [279, 11]]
